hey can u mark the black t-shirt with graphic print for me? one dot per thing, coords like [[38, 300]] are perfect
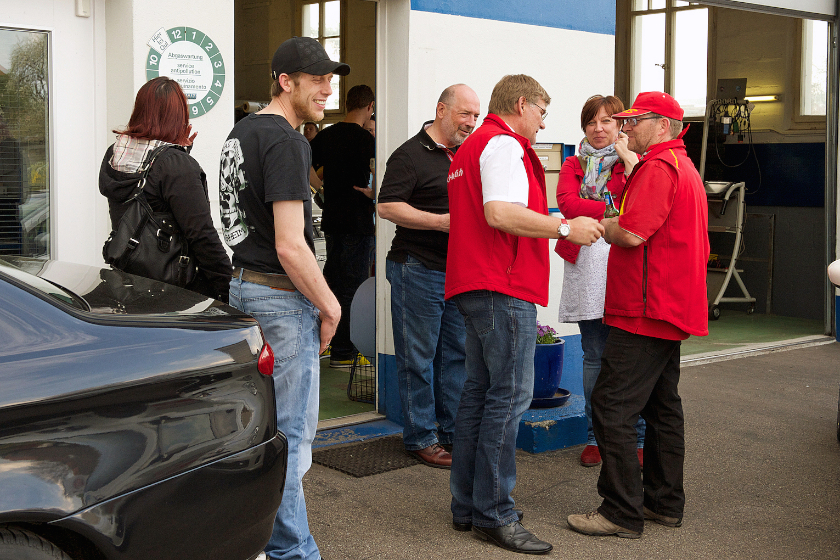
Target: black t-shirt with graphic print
[[263, 160]]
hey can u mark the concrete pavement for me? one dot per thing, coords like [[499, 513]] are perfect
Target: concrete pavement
[[762, 480]]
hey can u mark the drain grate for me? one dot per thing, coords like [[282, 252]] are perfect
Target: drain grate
[[366, 458]]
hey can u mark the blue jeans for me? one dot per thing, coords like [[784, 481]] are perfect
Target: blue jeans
[[501, 336], [291, 326], [347, 266], [593, 338], [429, 342]]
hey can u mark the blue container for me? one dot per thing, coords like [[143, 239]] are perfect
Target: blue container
[[548, 369]]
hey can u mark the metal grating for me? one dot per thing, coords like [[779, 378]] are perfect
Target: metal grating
[[366, 458]]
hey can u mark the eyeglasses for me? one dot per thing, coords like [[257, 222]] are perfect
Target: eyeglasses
[[633, 121], [543, 111]]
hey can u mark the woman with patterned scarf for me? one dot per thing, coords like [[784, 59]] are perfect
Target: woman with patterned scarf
[[603, 164]]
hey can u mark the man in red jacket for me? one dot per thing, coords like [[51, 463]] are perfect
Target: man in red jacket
[[497, 270], [656, 297]]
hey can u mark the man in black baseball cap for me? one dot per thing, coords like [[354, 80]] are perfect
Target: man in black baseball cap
[[304, 54], [267, 217]]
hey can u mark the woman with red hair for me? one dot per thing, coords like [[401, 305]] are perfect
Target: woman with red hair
[[176, 183]]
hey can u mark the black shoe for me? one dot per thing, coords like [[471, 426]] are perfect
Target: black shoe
[[513, 537], [467, 526]]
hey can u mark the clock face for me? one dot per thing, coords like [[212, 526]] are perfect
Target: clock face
[[192, 59]]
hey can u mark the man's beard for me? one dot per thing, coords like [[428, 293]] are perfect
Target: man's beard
[[304, 110]]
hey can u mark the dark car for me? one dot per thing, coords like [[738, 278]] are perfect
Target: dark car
[[137, 420]]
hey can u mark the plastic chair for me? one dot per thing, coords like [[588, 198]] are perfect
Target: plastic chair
[[362, 384]]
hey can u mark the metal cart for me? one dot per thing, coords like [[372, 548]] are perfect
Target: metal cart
[[726, 215], [722, 195]]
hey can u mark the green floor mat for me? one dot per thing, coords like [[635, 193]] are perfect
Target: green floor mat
[[736, 328], [334, 401]]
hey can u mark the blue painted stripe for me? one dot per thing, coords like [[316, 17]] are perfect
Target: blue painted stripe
[[595, 16], [358, 432], [837, 318]]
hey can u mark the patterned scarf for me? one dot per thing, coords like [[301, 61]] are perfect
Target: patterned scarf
[[130, 153], [597, 169]]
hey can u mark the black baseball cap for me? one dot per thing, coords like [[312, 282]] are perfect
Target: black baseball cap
[[304, 54]]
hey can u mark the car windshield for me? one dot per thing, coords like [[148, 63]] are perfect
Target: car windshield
[[40, 285]]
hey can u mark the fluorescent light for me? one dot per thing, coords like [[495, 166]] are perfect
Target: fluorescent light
[[754, 98]]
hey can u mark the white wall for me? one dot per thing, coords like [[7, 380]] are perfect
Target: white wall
[[77, 117], [445, 49]]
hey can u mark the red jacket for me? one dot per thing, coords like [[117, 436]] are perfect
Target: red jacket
[[572, 205], [481, 257], [664, 278]]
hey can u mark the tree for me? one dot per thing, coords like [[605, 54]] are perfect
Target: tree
[[26, 94]]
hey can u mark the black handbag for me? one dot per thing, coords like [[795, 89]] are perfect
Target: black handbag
[[149, 243]]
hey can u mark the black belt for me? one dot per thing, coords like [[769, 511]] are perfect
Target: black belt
[[264, 279]]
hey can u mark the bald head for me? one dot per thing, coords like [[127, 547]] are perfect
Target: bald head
[[457, 112]]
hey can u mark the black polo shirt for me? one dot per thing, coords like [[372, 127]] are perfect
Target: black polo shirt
[[416, 174]]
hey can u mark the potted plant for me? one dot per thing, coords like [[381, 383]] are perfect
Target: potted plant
[[548, 362]]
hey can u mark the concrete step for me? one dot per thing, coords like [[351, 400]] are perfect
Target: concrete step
[[540, 430], [548, 429]]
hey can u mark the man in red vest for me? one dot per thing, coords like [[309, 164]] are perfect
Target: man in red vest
[[497, 270], [656, 297]]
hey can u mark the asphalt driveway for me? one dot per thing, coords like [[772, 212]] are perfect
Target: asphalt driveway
[[762, 480]]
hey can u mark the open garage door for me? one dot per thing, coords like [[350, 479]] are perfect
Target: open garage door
[[808, 9], [826, 10]]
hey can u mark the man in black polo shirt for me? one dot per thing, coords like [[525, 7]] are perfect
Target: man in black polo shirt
[[429, 332]]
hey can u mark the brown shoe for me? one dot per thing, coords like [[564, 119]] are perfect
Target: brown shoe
[[434, 456], [662, 519], [595, 524]]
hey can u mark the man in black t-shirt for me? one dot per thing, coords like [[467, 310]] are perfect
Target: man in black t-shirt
[[267, 219], [429, 332], [345, 151]]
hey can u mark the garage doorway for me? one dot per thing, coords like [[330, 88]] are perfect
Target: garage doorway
[[347, 30]]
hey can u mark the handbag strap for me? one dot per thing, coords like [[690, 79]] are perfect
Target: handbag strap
[[138, 193]]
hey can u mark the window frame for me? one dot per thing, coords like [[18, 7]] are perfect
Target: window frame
[[49, 143], [321, 38], [625, 74], [798, 70]]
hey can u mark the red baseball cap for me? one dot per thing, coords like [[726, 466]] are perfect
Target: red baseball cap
[[653, 102]]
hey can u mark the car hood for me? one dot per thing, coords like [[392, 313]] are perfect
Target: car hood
[[108, 291]]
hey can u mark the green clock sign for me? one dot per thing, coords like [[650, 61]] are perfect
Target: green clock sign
[[191, 58]]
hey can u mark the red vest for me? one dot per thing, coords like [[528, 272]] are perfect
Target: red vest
[[664, 278], [481, 257]]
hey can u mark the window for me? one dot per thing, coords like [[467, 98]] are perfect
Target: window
[[322, 21], [669, 49], [24, 143], [814, 77]]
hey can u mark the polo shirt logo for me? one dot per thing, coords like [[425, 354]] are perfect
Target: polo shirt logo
[[455, 174]]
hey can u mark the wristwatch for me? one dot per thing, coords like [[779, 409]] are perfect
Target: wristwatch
[[565, 229]]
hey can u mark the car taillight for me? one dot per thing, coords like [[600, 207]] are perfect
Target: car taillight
[[265, 363]]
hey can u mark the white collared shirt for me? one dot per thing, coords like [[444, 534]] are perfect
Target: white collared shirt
[[503, 175]]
